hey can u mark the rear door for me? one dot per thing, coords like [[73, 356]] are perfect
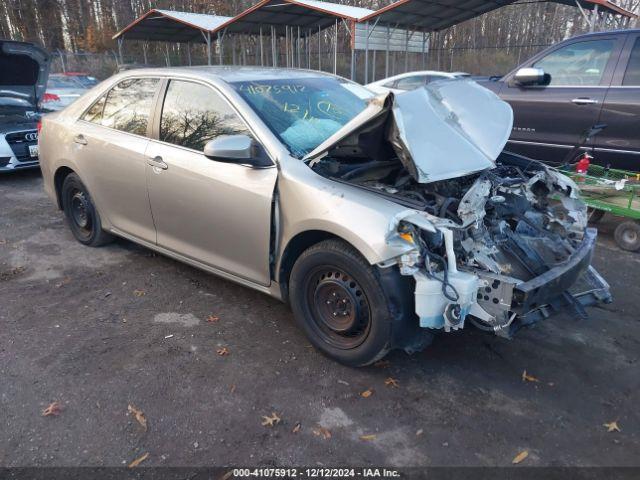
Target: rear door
[[549, 120], [214, 212], [619, 144], [110, 143]]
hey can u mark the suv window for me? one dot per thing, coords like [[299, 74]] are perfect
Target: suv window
[[578, 64], [126, 106], [632, 75], [193, 114], [411, 83]]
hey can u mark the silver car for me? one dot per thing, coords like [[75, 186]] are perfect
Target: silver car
[[381, 220]]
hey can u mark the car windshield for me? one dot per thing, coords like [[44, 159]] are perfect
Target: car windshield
[[304, 112]]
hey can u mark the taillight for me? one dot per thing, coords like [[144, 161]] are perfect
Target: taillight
[[50, 97], [39, 126]]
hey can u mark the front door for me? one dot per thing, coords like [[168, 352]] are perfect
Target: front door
[[618, 145], [111, 140], [549, 120], [214, 212]]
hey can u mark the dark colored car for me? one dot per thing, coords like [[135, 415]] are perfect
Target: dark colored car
[[24, 69], [566, 89]]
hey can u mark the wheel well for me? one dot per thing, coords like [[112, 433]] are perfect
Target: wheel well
[[58, 180], [294, 249]]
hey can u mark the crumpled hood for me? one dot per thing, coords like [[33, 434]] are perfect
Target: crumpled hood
[[24, 70], [445, 130]]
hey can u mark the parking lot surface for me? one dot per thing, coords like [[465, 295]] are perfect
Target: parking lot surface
[[99, 330]]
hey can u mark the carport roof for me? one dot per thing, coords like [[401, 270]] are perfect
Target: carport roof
[[433, 15], [169, 25], [293, 13]]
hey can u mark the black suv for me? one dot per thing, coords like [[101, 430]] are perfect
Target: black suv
[[24, 69], [568, 88]]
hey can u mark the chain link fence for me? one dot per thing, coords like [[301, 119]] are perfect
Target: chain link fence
[[484, 61]]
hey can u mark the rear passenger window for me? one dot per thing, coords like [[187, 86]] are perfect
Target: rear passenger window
[[193, 114], [126, 106], [94, 114], [632, 75]]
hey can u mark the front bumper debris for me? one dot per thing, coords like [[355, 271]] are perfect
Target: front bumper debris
[[504, 304]]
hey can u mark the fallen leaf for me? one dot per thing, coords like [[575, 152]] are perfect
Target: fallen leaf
[[223, 351], [367, 438], [139, 293], [528, 378], [212, 319], [612, 426], [391, 382], [233, 388], [520, 457], [322, 432], [139, 416], [382, 364], [271, 421], [139, 460], [296, 428], [63, 282], [367, 393], [54, 409]]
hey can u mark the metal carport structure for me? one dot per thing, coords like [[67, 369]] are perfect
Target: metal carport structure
[[169, 25], [428, 16], [296, 21]]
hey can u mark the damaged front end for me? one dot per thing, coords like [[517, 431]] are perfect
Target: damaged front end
[[499, 239], [516, 245]]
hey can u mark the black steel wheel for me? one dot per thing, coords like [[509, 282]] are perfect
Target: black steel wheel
[[627, 236], [340, 304], [82, 216], [339, 308]]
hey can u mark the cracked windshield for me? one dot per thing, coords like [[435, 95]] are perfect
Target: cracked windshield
[[305, 112]]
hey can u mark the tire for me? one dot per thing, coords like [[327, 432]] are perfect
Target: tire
[[82, 216], [627, 236], [595, 215], [339, 302]]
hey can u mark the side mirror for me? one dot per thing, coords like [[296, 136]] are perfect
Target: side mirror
[[531, 76], [241, 149]]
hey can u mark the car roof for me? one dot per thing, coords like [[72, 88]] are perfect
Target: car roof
[[608, 32], [411, 74], [229, 74]]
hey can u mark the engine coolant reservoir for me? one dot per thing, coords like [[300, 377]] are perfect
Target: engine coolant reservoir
[[434, 309]]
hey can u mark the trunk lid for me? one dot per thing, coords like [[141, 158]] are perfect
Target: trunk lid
[[24, 69]]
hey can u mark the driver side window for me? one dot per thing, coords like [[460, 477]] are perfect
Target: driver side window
[[577, 64]]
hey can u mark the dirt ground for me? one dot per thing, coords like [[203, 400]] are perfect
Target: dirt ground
[[100, 329]]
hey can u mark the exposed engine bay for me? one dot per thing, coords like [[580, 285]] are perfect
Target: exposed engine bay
[[503, 246]]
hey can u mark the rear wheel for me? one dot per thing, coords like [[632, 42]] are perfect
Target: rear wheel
[[82, 216], [340, 304], [627, 236]]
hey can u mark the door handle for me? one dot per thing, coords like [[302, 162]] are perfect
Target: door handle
[[157, 162], [584, 101], [80, 140]]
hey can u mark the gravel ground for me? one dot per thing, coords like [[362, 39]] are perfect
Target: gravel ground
[[98, 330]]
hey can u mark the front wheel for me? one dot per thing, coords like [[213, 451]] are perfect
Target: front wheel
[[81, 213], [338, 301]]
